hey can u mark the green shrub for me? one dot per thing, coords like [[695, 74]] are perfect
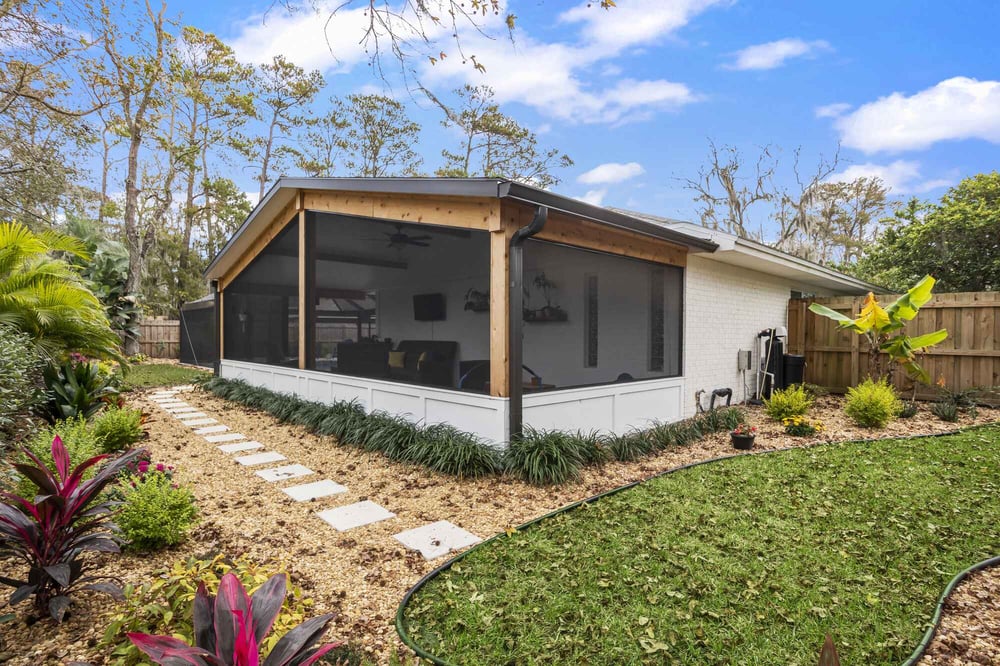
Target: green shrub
[[162, 605], [872, 404], [945, 410], [545, 457], [78, 438], [798, 426], [785, 403], [908, 410], [155, 512], [446, 449], [20, 377], [118, 428], [631, 446]]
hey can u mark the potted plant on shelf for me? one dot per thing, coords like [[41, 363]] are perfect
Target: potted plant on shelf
[[742, 436]]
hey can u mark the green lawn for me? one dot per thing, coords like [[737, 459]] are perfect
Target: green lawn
[[144, 375], [747, 561]]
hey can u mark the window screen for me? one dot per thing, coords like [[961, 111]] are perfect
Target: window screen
[[591, 322]]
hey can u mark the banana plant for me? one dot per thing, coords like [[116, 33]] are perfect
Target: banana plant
[[883, 329]]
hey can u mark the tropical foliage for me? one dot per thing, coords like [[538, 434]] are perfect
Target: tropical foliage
[[46, 298], [77, 387], [882, 328], [162, 603], [20, 379], [51, 530], [229, 629]]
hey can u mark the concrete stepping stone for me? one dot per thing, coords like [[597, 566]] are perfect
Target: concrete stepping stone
[[314, 490], [181, 409], [437, 539], [167, 404], [184, 387], [187, 416], [165, 399], [240, 446], [281, 473], [211, 430], [228, 437], [161, 395], [199, 422], [344, 518], [260, 458]]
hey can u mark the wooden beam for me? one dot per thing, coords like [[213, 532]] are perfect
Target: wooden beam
[[277, 225], [304, 351], [460, 212], [501, 229], [589, 235]]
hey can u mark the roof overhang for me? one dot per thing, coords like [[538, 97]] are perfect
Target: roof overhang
[[284, 191]]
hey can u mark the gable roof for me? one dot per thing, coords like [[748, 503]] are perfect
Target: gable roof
[[283, 192], [713, 244]]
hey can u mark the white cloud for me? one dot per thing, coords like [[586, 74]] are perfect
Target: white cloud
[[956, 108], [611, 172], [633, 23], [311, 36], [832, 110], [774, 54], [900, 176], [595, 197]]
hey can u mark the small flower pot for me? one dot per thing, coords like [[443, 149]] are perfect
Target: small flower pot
[[742, 442]]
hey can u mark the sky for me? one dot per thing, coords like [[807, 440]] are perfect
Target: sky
[[909, 90]]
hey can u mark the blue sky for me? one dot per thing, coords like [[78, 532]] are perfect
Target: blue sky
[[910, 89]]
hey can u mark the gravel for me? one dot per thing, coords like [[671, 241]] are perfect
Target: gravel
[[362, 574]]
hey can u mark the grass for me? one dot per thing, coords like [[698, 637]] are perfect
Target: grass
[[751, 560], [145, 375]]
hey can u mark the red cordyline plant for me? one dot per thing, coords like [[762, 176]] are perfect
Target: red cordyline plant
[[51, 530], [229, 629]]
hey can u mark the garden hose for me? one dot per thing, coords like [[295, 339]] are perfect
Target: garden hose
[[913, 658]]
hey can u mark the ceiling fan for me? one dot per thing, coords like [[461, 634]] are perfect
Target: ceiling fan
[[400, 238]]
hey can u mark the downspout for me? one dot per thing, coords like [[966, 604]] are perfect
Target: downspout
[[218, 326], [515, 355]]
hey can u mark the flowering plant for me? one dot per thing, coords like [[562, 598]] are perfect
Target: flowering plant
[[744, 430], [138, 468], [799, 426]]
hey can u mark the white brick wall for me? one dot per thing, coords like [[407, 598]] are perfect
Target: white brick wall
[[725, 307]]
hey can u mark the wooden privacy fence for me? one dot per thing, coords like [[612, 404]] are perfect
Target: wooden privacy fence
[[160, 338], [969, 357]]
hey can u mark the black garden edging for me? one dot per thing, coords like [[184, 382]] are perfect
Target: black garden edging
[[913, 658]]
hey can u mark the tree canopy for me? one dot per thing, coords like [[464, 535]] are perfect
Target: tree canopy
[[957, 240]]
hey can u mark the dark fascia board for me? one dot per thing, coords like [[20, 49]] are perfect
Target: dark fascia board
[[469, 187]]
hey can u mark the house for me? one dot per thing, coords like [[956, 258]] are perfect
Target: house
[[489, 304]]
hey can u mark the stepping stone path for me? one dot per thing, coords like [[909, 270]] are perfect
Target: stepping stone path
[[433, 540], [240, 446], [260, 458], [347, 517], [211, 429], [437, 539], [314, 490], [228, 437], [283, 473]]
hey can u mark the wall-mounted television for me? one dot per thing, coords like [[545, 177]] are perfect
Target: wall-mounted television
[[428, 307]]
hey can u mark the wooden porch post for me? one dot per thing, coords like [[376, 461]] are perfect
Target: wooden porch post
[[500, 233]]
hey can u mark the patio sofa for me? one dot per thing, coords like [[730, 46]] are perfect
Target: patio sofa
[[429, 362]]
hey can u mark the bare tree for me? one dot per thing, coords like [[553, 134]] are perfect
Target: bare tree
[[725, 196], [793, 204]]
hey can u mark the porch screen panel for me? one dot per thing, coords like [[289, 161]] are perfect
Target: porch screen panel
[[636, 336], [261, 305], [404, 303]]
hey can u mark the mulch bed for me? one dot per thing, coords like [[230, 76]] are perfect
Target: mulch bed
[[361, 575]]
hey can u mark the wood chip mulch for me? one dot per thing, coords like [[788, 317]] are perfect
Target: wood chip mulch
[[362, 574]]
